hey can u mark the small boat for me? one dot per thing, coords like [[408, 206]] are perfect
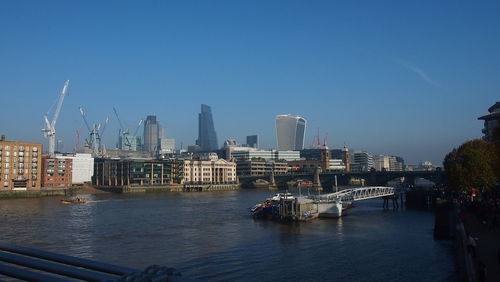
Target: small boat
[[74, 201]]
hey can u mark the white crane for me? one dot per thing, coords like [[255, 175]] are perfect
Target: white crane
[[50, 131], [95, 132]]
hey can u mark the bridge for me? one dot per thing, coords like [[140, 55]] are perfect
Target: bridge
[[357, 194], [371, 178]]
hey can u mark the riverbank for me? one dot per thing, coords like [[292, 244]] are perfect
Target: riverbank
[[90, 190]]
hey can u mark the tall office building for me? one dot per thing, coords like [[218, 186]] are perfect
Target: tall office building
[[151, 134], [290, 132], [253, 141], [207, 138]]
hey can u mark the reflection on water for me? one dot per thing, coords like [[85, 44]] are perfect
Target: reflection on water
[[211, 236]]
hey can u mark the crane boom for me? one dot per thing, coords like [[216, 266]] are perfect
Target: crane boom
[[50, 130], [84, 118], [59, 104], [118, 118], [138, 126]]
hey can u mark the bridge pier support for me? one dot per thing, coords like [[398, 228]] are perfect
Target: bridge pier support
[[272, 182], [317, 182], [395, 204]]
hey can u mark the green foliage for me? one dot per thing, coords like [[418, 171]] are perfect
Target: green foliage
[[472, 165]]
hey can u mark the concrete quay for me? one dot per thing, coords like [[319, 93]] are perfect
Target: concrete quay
[[169, 188]]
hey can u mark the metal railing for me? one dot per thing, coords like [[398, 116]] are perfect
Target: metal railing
[[36, 265], [357, 194]]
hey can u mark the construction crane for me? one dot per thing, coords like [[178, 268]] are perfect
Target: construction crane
[[138, 126], [50, 130], [123, 134], [95, 133]]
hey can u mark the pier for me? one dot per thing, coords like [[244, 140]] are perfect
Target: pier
[[332, 204]]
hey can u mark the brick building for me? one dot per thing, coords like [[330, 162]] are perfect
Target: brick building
[[20, 165], [57, 172]]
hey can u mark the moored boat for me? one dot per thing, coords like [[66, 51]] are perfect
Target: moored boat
[[73, 201]]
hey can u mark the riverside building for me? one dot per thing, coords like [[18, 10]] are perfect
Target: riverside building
[[57, 172], [20, 165], [209, 169], [491, 121]]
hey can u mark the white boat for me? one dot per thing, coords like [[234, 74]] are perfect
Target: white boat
[[280, 196], [329, 209]]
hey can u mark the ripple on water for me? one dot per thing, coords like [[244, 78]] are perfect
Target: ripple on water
[[211, 236]]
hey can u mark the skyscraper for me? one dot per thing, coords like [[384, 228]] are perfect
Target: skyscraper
[[253, 141], [290, 132], [151, 134], [207, 138]]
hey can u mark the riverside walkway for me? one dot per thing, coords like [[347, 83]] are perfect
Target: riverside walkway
[[488, 245]]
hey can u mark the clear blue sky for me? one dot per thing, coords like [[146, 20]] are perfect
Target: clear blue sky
[[390, 77]]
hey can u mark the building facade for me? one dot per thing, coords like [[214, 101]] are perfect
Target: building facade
[[114, 172], [290, 132], [129, 143], [207, 137], [247, 153], [253, 141], [260, 167], [312, 163], [82, 167], [20, 165], [209, 170], [491, 121], [361, 161], [57, 172], [167, 145], [151, 134], [381, 163]]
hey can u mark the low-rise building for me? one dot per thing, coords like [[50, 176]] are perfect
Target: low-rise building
[[260, 167], [83, 167], [20, 165], [209, 170], [116, 172], [57, 172]]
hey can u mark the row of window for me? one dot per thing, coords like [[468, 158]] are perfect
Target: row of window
[[6, 177], [15, 148]]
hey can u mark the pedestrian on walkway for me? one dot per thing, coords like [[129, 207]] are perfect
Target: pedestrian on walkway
[[471, 246]]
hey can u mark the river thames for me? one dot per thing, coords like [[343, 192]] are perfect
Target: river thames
[[211, 236]]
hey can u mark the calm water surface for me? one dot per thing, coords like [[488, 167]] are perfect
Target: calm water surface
[[211, 236]]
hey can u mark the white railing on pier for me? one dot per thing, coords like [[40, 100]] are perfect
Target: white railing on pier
[[357, 194]]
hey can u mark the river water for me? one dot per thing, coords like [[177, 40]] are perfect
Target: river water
[[211, 236]]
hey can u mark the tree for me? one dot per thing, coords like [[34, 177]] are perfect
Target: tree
[[472, 165]]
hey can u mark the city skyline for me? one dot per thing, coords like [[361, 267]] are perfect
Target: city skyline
[[380, 79]]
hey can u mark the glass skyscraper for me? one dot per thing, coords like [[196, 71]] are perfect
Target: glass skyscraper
[[290, 132], [207, 138], [151, 134]]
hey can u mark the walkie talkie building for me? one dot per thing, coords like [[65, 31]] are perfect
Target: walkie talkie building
[[290, 132]]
